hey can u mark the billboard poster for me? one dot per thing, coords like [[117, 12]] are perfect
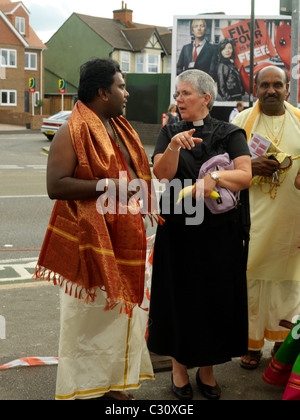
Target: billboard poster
[[220, 46]]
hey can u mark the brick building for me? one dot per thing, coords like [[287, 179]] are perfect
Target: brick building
[[21, 59]]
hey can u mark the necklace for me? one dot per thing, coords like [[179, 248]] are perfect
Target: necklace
[[117, 139], [277, 139]]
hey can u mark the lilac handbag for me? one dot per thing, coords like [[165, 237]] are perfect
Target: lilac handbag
[[229, 200]]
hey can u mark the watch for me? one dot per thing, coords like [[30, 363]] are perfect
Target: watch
[[215, 176]]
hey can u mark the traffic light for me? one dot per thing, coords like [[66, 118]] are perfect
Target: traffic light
[[286, 7]]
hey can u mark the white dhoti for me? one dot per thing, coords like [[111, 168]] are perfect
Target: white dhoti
[[274, 251], [100, 351]]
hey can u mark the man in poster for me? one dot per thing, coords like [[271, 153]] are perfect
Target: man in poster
[[199, 54]]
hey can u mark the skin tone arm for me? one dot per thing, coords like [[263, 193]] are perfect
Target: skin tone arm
[[237, 180], [62, 162], [165, 166], [297, 181]]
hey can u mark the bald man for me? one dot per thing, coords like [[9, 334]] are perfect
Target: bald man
[[274, 254]]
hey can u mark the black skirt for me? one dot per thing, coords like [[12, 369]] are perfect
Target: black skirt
[[198, 308]]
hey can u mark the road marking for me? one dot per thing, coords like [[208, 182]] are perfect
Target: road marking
[[37, 167], [23, 196], [18, 270], [9, 167], [17, 167]]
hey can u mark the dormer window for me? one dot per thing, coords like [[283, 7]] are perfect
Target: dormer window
[[20, 25]]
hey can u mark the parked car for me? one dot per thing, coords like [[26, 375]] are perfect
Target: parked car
[[51, 125]]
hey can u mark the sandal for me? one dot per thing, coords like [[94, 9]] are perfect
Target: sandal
[[119, 396], [252, 360]]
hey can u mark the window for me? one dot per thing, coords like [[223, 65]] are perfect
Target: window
[[153, 64], [30, 61], [9, 58], [147, 63], [20, 25], [140, 63], [8, 97], [125, 62]]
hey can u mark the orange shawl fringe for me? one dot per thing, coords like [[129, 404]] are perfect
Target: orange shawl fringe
[[84, 251]]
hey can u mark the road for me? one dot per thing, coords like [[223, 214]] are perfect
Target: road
[[30, 309], [24, 205]]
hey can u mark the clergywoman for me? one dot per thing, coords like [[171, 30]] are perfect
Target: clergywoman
[[198, 310]]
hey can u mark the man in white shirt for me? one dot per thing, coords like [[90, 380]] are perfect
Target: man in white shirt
[[235, 112]]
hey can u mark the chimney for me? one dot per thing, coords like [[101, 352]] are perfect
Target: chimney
[[124, 15]]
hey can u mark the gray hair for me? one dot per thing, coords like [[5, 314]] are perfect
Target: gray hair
[[200, 81]]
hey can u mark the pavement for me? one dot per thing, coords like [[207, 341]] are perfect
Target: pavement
[[31, 312], [4, 128], [30, 328]]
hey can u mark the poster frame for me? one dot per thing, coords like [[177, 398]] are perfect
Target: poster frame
[[211, 17]]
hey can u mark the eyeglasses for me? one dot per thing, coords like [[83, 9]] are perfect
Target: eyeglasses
[[184, 95]]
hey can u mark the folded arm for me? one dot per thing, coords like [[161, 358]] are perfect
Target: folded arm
[[235, 180]]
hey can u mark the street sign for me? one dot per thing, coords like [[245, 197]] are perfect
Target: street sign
[[286, 7], [32, 85], [62, 86]]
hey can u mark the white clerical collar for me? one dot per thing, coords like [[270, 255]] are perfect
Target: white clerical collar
[[199, 123]]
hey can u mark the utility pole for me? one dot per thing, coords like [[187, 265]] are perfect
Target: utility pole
[[251, 97], [294, 84]]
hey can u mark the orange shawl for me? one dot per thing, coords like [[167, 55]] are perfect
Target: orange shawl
[[88, 250]]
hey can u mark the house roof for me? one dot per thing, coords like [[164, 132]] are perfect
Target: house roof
[[139, 37], [122, 37], [110, 30], [34, 41], [31, 40], [9, 7]]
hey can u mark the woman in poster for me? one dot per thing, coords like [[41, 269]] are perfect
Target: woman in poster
[[230, 86]]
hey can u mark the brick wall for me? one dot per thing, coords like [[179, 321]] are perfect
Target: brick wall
[[18, 79], [22, 118]]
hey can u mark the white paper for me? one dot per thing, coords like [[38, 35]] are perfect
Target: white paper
[[259, 145]]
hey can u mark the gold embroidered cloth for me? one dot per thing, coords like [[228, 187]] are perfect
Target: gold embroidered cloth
[[88, 250]]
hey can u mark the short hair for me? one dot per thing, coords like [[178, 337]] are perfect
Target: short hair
[[287, 80], [196, 20], [200, 81], [96, 74]]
